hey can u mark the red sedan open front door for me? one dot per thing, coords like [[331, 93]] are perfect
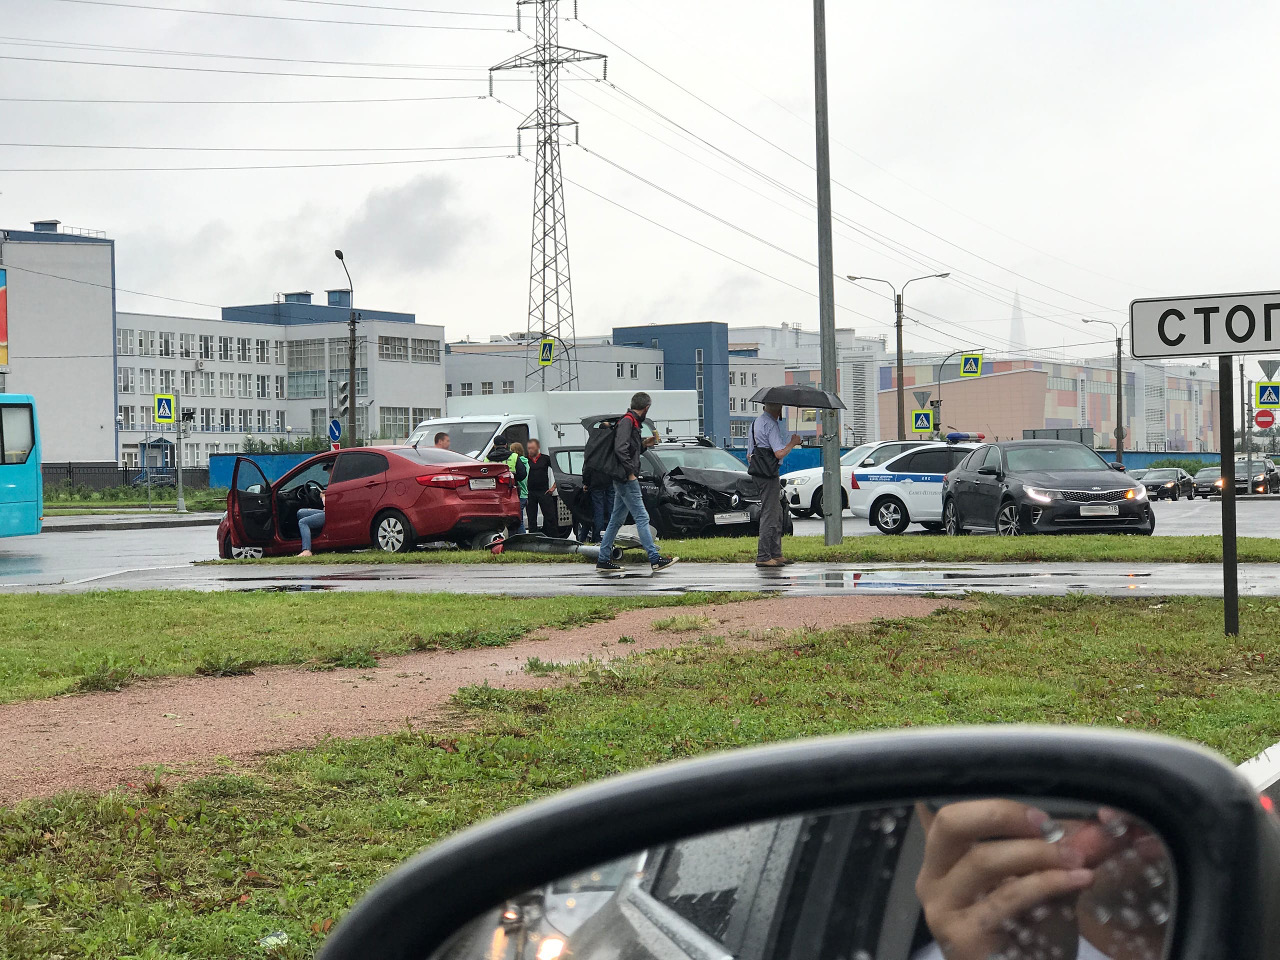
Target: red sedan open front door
[[252, 508]]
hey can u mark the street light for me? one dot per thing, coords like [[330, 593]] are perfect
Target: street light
[[954, 353], [351, 352], [897, 312], [1119, 431]]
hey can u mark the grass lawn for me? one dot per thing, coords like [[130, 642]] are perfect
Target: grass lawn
[[208, 868], [98, 641], [874, 549]]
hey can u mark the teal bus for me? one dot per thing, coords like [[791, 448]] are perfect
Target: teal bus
[[21, 482]]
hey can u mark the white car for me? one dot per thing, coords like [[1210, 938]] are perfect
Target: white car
[[906, 489], [803, 488]]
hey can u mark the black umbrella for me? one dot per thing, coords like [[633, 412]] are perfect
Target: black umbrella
[[798, 395]]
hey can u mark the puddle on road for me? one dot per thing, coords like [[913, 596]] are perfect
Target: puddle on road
[[285, 588]]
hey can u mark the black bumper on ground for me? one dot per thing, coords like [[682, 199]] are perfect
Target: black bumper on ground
[[1064, 517]]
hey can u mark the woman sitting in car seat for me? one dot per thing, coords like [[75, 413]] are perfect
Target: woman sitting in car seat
[[311, 519]]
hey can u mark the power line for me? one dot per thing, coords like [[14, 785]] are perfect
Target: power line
[[263, 166], [277, 17], [252, 103], [376, 6], [119, 146], [159, 51], [239, 71]]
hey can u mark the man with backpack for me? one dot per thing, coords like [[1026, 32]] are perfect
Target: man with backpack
[[620, 461]]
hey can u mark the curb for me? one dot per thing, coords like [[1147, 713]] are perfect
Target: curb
[[139, 524]]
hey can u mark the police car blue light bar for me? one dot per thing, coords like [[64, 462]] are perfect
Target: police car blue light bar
[[965, 437]]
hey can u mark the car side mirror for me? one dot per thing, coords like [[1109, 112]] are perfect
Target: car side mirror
[[988, 471], [1117, 466], [1171, 856]]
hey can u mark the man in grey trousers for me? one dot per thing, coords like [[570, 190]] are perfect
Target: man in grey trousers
[[765, 451]]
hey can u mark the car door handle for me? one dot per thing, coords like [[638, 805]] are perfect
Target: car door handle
[[371, 483]]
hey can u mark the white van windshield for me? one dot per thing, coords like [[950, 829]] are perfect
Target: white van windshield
[[468, 437]]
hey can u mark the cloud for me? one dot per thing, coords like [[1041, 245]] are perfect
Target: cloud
[[413, 226]]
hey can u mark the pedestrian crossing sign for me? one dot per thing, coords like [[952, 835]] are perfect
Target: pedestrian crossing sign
[[1266, 395], [547, 354], [922, 421], [971, 365], [166, 404]]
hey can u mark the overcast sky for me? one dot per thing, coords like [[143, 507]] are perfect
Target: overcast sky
[[1081, 153]]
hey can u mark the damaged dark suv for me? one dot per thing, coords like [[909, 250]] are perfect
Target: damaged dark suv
[[690, 488]]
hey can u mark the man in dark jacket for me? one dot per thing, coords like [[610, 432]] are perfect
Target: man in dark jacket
[[628, 444], [542, 490]]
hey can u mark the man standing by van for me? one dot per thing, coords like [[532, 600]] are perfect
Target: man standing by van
[[624, 468], [765, 450]]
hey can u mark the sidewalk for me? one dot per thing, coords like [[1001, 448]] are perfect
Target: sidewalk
[[130, 521]]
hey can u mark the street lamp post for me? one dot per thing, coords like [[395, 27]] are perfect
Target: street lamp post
[[351, 353], [954, 353], [897, 313], [1120, 430]]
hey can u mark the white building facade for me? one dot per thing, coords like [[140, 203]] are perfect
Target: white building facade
[[272, 371], [501, 365]]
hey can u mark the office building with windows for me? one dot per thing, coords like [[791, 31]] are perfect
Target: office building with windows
[[272, 371], [695, 356]]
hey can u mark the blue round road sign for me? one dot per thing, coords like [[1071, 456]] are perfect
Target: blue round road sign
[[335, 430]]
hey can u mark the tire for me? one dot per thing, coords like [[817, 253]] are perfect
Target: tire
[[1008, 520], [1191, 494], [788, 528], [817, 502], [891, 516], [951, 521], [1174, 498], [800, 513], [240, 553], [392, 532]]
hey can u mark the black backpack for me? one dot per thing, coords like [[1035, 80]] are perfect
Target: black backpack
[[599, 465]]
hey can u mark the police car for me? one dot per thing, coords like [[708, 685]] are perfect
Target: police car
[[802, 489], [908, 488]]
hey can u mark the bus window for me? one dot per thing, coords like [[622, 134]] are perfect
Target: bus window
[[17, 433]]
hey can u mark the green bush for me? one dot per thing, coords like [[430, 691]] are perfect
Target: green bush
[[1186, 463]]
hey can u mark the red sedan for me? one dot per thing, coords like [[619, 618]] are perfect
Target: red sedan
[[389, 497]]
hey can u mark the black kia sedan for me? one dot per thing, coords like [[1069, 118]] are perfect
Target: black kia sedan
[[1042, 486], [1169, 483]]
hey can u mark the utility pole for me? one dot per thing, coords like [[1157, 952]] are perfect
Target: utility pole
[[833, 488], [351, 352], [550, 292], [1244, 427], [1119, 402]]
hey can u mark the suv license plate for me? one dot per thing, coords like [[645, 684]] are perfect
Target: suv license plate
[[739, 517], [1100, 510], [484, 484]]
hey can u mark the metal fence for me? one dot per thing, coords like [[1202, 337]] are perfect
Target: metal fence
[[102, 476]]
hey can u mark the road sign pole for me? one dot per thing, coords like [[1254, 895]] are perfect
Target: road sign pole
[[177, 438], [1119, 402], [1227, 436]]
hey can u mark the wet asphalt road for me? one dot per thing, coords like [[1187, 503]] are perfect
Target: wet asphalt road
[[143, 559]]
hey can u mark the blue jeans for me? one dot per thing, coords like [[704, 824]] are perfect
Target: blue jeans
[[626, 497], [524, 506], [310, 522], [601, 508]]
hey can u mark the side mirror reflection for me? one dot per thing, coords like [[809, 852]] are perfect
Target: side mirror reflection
[[951, 879]]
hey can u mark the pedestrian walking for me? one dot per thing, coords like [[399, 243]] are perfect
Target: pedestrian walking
[[765, 450], [519, 465], [542, 492], [624, 468]]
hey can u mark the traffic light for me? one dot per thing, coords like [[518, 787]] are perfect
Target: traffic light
[[344, 399]]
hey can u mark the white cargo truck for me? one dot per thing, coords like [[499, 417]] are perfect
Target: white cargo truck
[[554, 418]]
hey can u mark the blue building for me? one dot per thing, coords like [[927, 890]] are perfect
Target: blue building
[[695, 357]]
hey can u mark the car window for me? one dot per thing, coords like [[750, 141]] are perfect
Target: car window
[[465, 436], [856, 455], [928, 461], [1067, 456], [1161, 474], [958, 456], [707, 880], [358, 465], [318, 471], [992, 458], [974, 460], [433, 455], [569, 461], [249, 478], [885, 453], [702, 458]]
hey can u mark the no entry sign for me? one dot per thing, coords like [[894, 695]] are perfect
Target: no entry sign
[[1265, 419]]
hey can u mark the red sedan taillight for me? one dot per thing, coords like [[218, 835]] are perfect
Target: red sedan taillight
[[449, 480], [506, 480]]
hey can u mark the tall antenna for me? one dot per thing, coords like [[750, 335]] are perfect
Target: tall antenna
[[550, 292]]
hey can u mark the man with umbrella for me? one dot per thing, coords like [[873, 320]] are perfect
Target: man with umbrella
[[765, 451]]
